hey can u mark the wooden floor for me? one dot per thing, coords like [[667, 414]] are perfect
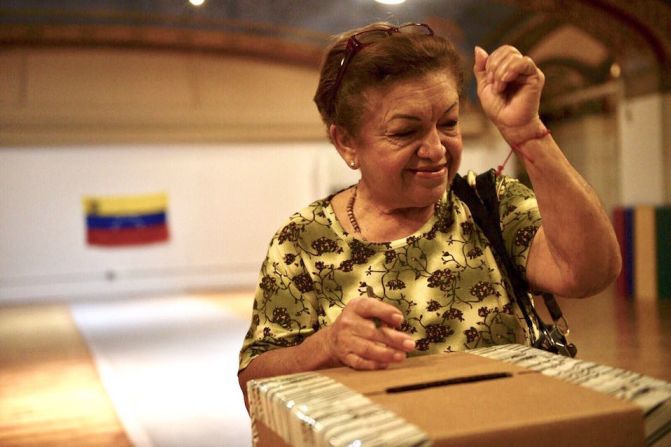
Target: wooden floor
[[50, 392], [51, 395], [625, 333]]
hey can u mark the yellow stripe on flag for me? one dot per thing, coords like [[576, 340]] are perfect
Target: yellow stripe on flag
[[125, 205]]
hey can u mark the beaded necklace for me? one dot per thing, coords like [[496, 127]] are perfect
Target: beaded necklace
[[352, 218], [350, 212]]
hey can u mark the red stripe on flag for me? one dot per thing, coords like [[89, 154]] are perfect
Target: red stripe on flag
[[127, 236]]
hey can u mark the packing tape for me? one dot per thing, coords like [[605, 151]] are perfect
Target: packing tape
[[309, 409]]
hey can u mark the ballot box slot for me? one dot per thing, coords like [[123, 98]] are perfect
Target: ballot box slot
[[448, 382]]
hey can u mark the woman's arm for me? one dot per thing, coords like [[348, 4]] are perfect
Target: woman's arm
[[575, 252]]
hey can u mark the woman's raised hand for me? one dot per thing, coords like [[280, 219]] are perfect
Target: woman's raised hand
[[509, 87], [356, 340]]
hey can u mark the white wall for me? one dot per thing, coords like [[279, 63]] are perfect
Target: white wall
[[100, 95], [642, 150], [666, 144], [590, 144], [225, 202]]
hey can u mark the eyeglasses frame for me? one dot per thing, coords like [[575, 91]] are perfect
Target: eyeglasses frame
[[354, 46]]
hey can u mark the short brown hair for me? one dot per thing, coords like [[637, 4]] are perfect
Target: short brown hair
[[400, 56]]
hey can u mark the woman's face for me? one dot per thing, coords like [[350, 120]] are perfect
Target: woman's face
[[409, 143]]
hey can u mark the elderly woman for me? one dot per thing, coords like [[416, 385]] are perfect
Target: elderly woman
[[395, 265]]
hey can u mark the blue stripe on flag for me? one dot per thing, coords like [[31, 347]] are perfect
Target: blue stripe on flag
[[136, 221]]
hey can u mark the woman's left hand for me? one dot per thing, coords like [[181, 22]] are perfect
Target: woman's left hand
[[509, 86]]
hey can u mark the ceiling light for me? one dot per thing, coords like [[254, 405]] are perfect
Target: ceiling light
[[196, 2], [390, 2]]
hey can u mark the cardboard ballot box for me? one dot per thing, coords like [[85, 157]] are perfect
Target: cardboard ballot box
[[455, 399]]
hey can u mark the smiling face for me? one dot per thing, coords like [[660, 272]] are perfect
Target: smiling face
[[409, 144]]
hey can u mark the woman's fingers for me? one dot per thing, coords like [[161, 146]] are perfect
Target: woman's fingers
[[515, 70], [364, 337], [374, 309], [395, 339], [369, 350], [509, 88], [354, 361], [379, 319], [480, 65], [507, 65]]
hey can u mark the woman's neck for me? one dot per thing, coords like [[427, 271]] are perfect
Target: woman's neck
[[377, 222]]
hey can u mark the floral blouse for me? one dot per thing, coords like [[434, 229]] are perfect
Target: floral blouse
[[444, 278]]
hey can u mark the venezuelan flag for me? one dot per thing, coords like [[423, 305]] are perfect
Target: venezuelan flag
[[126, 220]]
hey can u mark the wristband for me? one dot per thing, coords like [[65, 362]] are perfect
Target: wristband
[[544, 132], [516, 148]]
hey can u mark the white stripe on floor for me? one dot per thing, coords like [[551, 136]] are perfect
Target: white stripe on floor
[[170, 368]]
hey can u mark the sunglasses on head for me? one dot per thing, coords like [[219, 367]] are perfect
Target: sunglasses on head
[[361, 40]]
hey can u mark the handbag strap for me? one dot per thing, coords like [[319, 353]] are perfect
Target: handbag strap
[[486, 216], [486, 189], [483, 203]]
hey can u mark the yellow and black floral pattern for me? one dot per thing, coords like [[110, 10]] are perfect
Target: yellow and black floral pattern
[[444, 278]]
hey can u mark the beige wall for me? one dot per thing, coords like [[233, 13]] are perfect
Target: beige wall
[[60, 95], [88, 95]]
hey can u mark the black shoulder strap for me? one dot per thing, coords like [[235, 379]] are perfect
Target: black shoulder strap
[[483, 203], [484, 207]]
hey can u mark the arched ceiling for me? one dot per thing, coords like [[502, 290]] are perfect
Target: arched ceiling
[[234, 25], [576, 42]]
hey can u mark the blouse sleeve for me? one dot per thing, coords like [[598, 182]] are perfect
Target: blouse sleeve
[[283, 311], [520, 219]]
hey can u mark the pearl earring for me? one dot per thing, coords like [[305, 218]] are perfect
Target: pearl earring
[[352, 164]]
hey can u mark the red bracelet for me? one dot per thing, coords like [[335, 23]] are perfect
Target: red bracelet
[[516, 148], [541, 134]]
